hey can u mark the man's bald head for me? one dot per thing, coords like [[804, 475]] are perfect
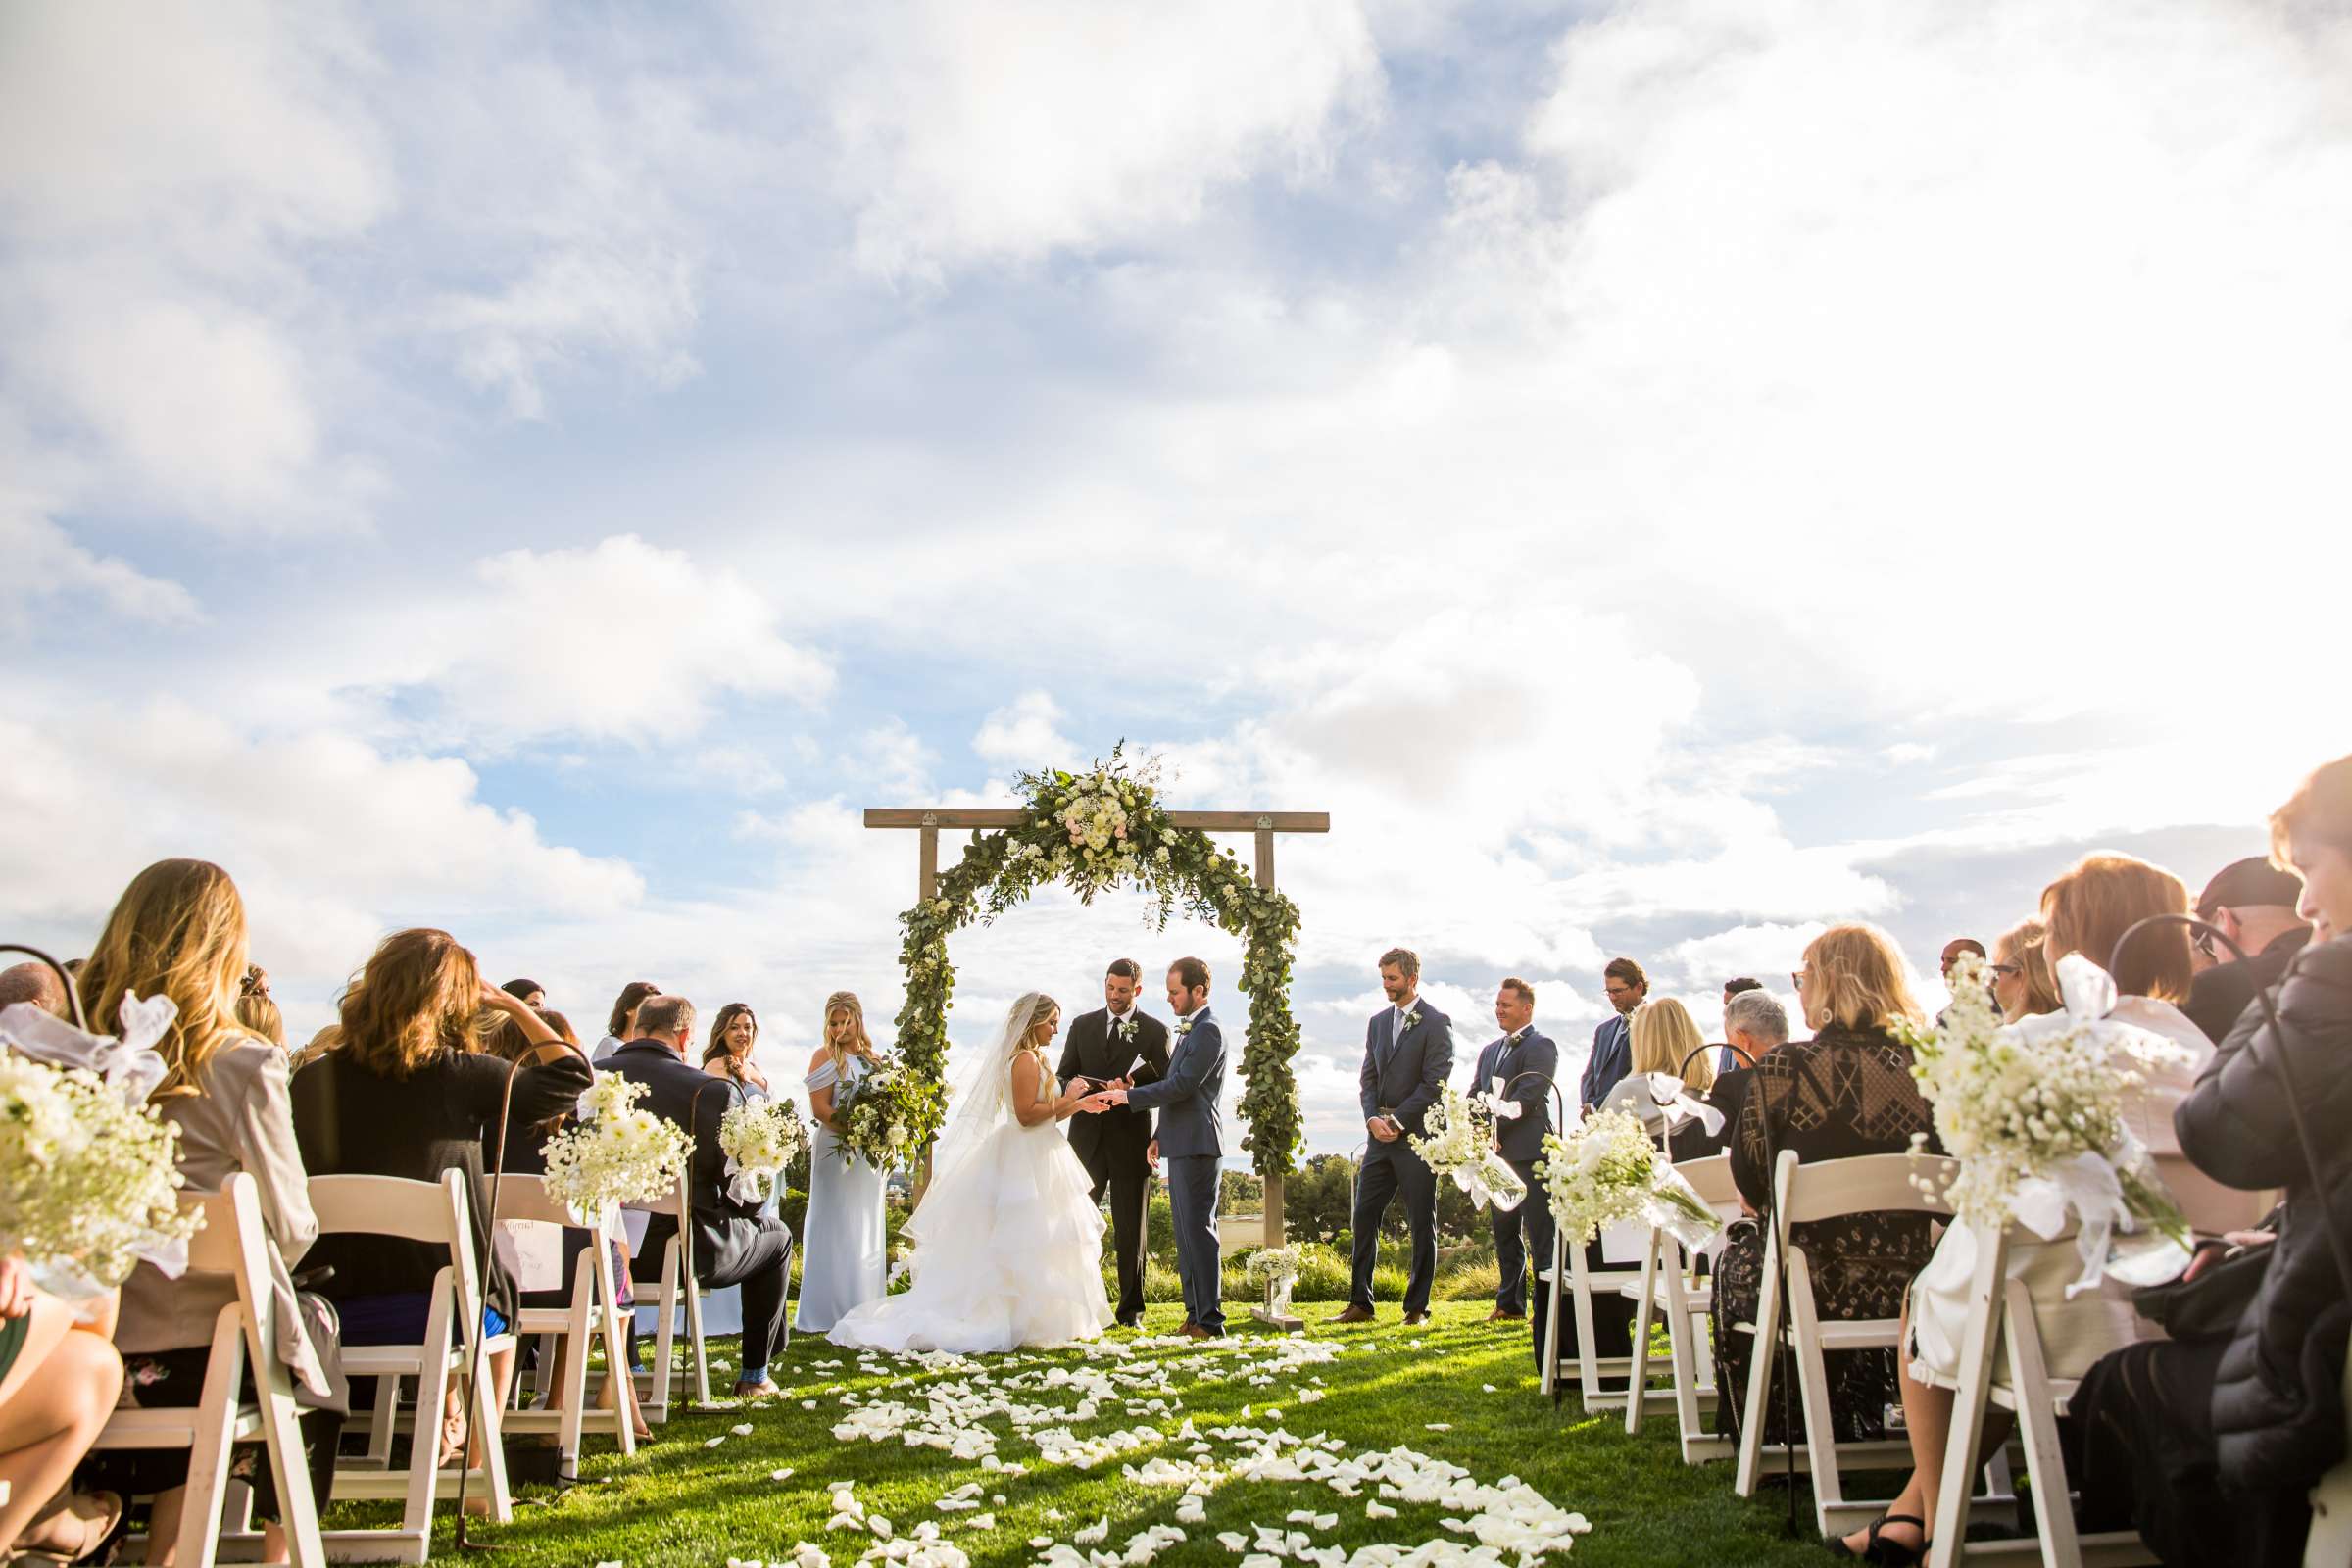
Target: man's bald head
[[35, 982]]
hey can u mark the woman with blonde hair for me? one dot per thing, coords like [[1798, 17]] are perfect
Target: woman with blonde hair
[[410, 1092], [1665, 1039], [843, 1249], [1845, 1092], [257, 1010], [2023, 984], [180, 931]]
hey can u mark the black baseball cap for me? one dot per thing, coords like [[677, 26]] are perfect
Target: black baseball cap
[[2252, 880]]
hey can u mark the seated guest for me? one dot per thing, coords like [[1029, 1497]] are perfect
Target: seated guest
[[1612, 1053], [59, 1380], [408, 1093], [1847, 1091], [37, 984], [2023, 984], [2208, 1448], [734, 1244], [2253, 904], [1954, 949], [529, 992], [622, 1028], [1666, 1040], [178, 931], [255, 1010], [2086, 912], [1726, 1059]]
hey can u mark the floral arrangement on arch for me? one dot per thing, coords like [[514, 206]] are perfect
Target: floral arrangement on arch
[[2034, 1112], [1094, 830], [1605, 1171], [616, 1155]]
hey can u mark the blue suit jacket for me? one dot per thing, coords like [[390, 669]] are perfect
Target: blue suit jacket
[[1187, 1095], [1403, 1078], [1612, 1060], [1523, 1139]]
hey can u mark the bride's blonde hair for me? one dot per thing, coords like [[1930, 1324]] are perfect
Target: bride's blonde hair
[[1043, 1009]]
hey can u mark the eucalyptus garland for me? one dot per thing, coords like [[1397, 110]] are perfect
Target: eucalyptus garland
[[1101, 829]]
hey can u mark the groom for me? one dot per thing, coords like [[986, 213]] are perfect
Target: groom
[[1190, 1135], [1408, 1049], [1119, 1044]]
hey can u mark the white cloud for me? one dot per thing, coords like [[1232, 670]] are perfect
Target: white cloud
[[1024, 734], [1005, 131]]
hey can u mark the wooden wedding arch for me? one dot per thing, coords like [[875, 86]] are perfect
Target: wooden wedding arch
[[931, 820]]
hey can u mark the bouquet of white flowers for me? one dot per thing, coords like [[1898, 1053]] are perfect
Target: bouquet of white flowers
[[1276, 1268], [892, 1115], [1605, 1171], [1460, 1143], [759, 1136], [93, 1182], [616, 1154], [2034, 1111]]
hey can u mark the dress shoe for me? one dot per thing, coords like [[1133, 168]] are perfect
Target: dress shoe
[[1354, 1315], [1413, 1320], [1134, 1321], [1209, 1333], [1498, 1315], [1194, 1331]]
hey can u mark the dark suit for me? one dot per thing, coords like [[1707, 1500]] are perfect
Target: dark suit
[[1612, 1060], [1524, 1232], [1192, 1140], [1112, 1143], [1400, 1078], [733, 1243]]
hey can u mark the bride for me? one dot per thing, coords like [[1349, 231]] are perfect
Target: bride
[[1007, 1243]]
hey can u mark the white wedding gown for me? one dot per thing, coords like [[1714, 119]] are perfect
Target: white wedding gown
[[1009, 1255]]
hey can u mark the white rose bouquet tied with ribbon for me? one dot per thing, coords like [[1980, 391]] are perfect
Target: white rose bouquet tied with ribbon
[[890, 1117], [616, 1154], [93, 1173], [1460, 1143], [1276, 1268], [1605, 1171], [759, 1136], [2034, 1112]]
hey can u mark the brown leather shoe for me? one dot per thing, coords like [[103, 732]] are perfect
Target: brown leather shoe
[[1498, 1315], [1194, 1331], [1413, 1320], [1354, 1315]]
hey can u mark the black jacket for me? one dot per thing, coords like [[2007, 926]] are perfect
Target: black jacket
[[1089, 1051], [351, 1121], [2277, 1412], [692, 1099], [2219, 997]]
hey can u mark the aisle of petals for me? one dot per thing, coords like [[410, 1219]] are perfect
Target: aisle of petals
[[976, 1411]]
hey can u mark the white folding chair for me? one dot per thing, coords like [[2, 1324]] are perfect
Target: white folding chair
[[2001, 1311], [2331, 1540], [1669, 1288], [677, 1289], [1805, 1193], [592, 1317], [233, 1240], [438, 1214]]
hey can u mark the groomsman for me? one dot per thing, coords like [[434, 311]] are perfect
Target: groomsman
[[1408, 1049], [1612, 1058], [1118, 1044], [1522, 1049]]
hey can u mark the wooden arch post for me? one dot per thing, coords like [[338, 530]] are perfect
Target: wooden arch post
[[929, 822]]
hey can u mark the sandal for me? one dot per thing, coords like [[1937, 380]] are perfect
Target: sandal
[[1888, 1553]]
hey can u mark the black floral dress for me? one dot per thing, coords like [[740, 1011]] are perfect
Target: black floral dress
[[1844, 1092]]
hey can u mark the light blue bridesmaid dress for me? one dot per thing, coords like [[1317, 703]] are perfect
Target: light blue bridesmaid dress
[[843, 1258]]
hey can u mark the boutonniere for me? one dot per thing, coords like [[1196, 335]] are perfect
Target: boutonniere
[[1124, 1028], [1412, 1019], [1183, 1026]]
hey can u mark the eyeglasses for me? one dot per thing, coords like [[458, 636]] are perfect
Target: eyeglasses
[[2005, 971], [1796, 977], [2203, 943]]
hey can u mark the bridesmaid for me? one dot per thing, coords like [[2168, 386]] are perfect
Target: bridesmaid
[[734, 1035], [843, 1253]]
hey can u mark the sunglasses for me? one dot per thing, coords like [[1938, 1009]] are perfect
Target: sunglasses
[[2005, 971]]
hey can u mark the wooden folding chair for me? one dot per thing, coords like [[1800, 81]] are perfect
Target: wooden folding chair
[[677, 1289], [2000, 1312], [1805, 1193], [592, 1317], [233, 1240], [1669, 1290], [439, 1214]]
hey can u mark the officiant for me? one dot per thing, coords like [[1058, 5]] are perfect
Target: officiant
[[1119, 1042]]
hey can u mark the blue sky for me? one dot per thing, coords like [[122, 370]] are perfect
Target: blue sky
[[1664, 476]]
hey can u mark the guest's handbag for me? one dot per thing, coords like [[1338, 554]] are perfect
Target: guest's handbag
[[2211, 1305]]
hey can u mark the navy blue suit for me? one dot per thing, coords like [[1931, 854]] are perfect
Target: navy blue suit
[[1526, 1231], [1612, 1060], [1401, 1078], [1191, 1134]]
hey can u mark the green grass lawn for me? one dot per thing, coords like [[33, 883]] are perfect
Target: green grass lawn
[[682, 1500]]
